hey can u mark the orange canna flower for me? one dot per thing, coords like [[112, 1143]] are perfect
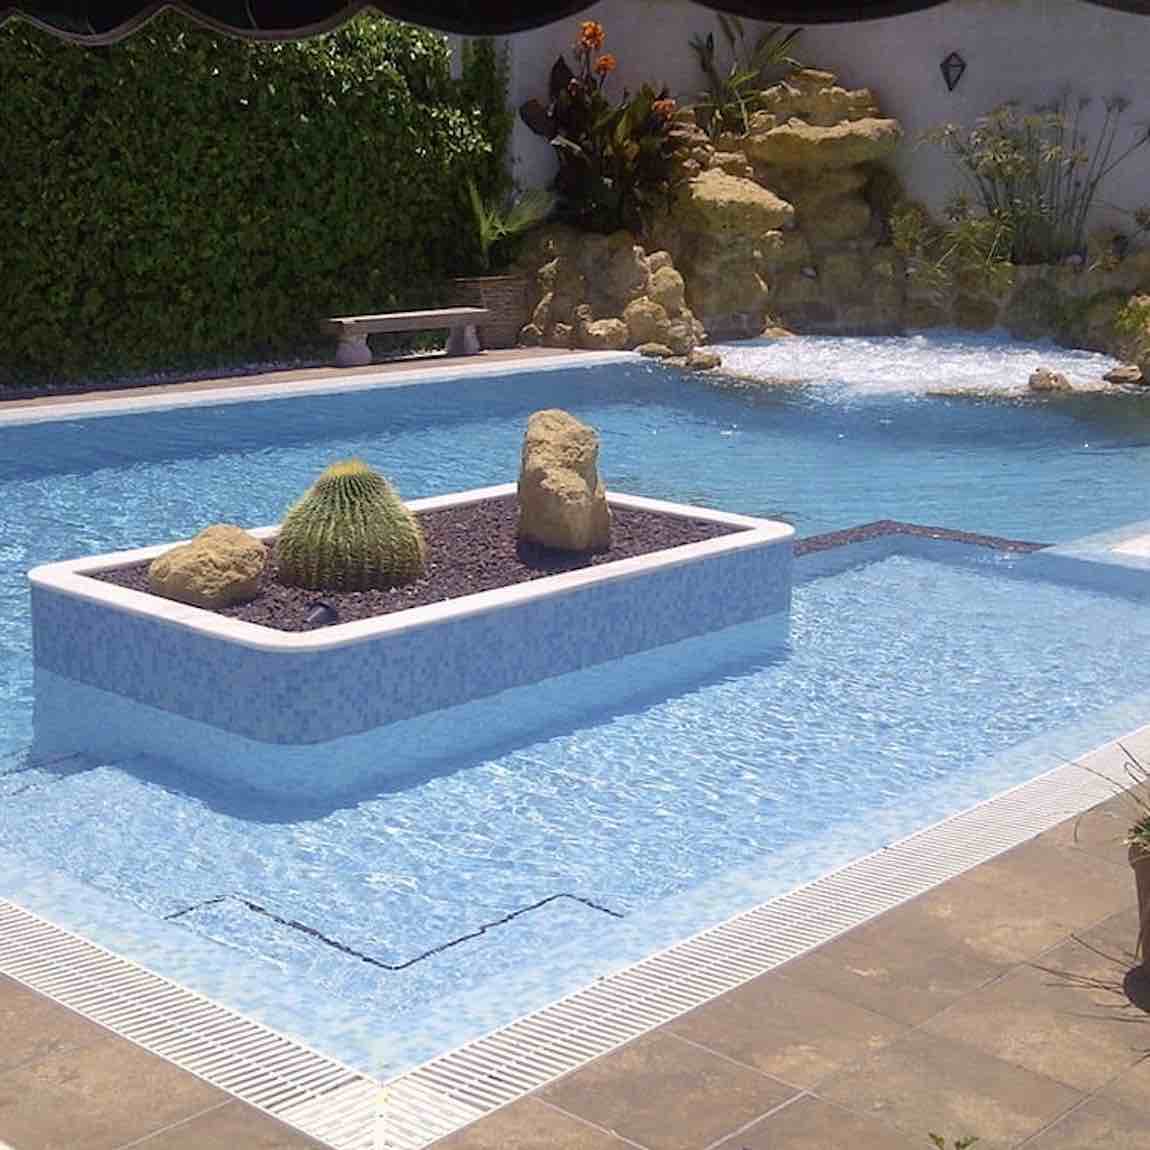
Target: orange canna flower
[[664, 109], [591, 35], [605, 65]]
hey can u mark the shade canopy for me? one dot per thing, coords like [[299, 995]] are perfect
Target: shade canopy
[[105, 21]]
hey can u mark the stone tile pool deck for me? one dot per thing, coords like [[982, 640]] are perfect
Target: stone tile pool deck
[[1000, 1004]]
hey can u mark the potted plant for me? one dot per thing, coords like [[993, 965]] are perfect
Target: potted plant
[[497, 232]]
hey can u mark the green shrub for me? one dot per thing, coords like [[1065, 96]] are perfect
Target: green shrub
[[182, 199], [1037, 173], [483, 85], [970, 255], [349, 532]]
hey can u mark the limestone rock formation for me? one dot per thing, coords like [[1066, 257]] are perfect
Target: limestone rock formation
[[606, 292], [703, 359], [1124, 373], [220, 566], [1043, 379], [562, 501], [795, 144], [755, 210]]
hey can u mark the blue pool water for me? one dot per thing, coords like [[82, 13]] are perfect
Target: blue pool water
[[901, 682]]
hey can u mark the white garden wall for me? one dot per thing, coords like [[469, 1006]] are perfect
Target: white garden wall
[[1014, 49]]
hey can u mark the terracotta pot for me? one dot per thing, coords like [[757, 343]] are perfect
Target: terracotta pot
[[505, 297], [1140, 861]]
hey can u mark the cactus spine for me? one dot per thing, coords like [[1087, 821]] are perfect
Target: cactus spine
[[349, 532]]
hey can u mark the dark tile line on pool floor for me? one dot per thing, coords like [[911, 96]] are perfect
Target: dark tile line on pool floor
[[335, 944]]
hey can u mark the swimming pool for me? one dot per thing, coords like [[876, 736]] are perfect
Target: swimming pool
[[907, 688]]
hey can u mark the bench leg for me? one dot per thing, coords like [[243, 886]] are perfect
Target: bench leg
[[352, 350], [463, 340]]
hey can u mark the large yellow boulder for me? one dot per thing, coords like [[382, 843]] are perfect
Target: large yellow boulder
[[797, 144], [717, 202], [220, 566], [646, 320], [562, 500]]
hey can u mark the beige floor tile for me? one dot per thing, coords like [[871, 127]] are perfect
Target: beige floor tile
[[1101, 1124], [1099, 831], [902, 978], [1046, 1021], [530, 1125], [229, 1127], [811, 1123], [33, 1027], [1132, 1088], [232, 1126], [923, 1083], [667, 1094], [102, 1095], [1016, 906], [786, 1029]]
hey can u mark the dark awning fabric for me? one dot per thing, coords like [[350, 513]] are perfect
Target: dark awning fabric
[[104, 21]]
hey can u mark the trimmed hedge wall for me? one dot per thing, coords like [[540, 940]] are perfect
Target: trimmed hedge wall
[[182, 199]]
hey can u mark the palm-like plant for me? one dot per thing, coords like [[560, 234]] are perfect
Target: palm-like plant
[[496, 229], [734, 90]]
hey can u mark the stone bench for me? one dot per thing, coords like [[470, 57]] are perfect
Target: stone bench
[[352, 330]]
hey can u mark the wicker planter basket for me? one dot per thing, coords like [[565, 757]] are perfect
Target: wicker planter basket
[[505, 297]]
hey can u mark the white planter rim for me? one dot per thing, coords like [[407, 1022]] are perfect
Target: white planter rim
[[72, 577]]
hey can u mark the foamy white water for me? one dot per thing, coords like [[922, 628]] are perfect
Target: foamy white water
[[942, 361]]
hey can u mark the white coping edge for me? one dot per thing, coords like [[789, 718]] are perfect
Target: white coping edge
[[213, 396], [70, 577]]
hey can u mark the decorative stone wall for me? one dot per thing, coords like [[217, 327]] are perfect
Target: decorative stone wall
[[607, 293], [776, 225], [786, 227]]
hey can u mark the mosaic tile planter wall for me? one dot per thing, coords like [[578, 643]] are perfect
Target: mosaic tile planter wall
[[121, 672]]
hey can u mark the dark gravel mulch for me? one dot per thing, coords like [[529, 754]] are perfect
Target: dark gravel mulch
[[470, 548]]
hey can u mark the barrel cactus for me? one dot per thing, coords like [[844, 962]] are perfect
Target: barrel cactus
[[349, 532]]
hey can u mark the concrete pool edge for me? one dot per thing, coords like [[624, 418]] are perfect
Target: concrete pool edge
[[206, 395]]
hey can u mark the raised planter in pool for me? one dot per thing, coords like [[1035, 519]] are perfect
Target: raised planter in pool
[[120, 672]]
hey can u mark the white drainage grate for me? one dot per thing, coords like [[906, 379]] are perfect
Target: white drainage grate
[[349, 1111], [315, 1094], [465, 1084]]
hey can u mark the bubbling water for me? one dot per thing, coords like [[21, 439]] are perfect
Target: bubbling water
[[938, 362]]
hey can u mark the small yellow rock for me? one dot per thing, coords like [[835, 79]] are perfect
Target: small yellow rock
[[220, 566]]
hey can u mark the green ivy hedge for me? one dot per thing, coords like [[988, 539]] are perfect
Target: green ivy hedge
[[182, 199]]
